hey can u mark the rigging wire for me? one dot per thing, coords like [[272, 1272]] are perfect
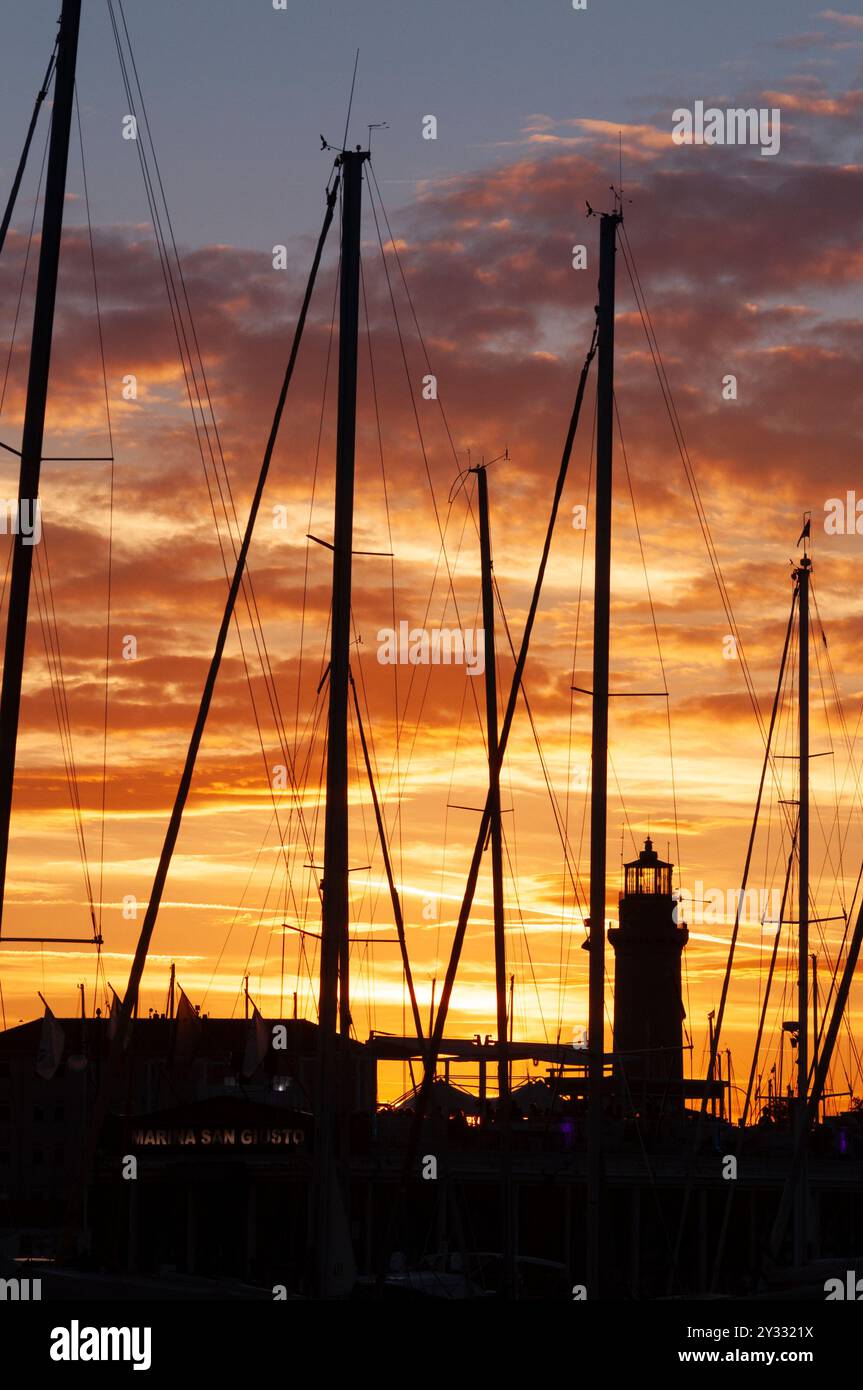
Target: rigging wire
[[397, 820], [22, 163], [564, 966], [572, 869], [197, 390], [48, 622], [100, 969], [217, 458], [689, 471], [24, 271], [441, 529], [655, 634], [44, 588]]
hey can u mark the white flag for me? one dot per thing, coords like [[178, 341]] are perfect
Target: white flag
[[187, 1032], [52, 1041], [257, 1043]]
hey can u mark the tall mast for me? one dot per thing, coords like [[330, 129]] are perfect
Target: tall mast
[[334, 939], [608, 224], [494, 789], [335, 987], [34, 413], [334, 1001], [803, 572]]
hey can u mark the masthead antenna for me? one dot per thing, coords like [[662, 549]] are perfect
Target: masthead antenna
[[351, 101], [377, 125], [464, 474]]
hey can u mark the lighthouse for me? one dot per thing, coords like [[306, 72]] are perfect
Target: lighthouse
[[648, 1002]]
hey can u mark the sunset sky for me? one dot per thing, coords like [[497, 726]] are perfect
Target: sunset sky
[[751, 266]]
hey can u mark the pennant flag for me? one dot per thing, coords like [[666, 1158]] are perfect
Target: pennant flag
[[805, 533], [257, 1043], [114, 1017], [188, 1030], [52, 1041]]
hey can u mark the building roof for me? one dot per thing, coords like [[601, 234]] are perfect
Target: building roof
[[155, 1036], [648, 856]]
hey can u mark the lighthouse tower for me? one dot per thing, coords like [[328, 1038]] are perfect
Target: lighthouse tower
[[648, 1002]]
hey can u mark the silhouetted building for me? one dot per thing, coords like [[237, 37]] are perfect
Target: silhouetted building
[[648, 1001], [189, 1108]]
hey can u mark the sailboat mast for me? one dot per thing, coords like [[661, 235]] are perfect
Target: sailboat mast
[[803, 573], [334, 1011], [803, 908], [494, 789], [34, 414], [599, 738], [335, 984]]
